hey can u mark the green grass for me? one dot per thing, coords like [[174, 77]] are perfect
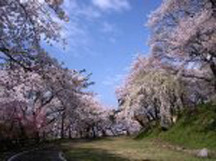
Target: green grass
[[124, 149], [195, 129]]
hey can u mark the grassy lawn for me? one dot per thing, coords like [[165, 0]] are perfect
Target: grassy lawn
[[124, 149], [194, 131]]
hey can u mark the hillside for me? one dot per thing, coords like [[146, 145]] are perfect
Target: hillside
[[194, 129]]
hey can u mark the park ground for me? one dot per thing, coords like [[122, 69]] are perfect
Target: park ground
[[128, 149], [114, 149], [193, 132]]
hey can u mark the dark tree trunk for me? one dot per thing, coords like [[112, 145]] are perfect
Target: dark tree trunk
[[93, 132], [62, 125], [104, 132], [139, 121], [114, 134], [128, 132], [69, 132], [37, 136], [44, 135], [81, 134], [213, 69]]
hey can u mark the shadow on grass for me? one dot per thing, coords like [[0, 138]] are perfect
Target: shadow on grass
[[42, 155], [87, 154]]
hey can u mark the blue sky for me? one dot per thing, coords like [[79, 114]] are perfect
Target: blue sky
[[103, 37]]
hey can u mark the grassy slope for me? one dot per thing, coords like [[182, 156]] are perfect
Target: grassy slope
[[195, 129]]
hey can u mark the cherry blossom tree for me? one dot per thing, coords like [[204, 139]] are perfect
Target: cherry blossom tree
[[23, 24], [183, 34], [152, 94], [42, 101]]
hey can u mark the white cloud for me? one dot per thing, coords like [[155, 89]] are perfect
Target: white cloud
[[82, 16], [113, 81], [76, 31], [117, 5], [111, 31], [107, 27]]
